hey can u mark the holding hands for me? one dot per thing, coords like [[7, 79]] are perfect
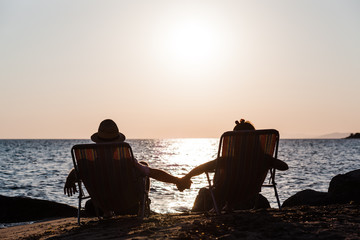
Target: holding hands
[[181, 183], [184, 183]]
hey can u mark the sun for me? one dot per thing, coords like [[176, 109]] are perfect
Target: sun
[[191, 43]]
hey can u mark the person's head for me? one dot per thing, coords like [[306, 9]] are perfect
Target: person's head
[[108, 132], [243, 125]]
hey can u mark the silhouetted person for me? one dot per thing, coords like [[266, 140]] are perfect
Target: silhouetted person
[[109, 132], [219, 162]]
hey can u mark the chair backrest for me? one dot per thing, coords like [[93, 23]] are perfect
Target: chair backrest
[[108, 173], [244, 163]]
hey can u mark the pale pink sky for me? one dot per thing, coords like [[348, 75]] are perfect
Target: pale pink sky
[[167, 69]]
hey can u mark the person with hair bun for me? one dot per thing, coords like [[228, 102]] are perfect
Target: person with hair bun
[[211, 165]]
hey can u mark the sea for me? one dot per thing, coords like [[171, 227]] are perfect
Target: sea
[[37, 168]]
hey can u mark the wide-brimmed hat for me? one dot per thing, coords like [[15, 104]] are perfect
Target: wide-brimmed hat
[[108, 132]]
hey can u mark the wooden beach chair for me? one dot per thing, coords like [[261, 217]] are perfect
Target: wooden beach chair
[[109, 175], [243, 166]]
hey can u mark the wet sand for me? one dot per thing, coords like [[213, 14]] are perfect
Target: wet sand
[[305, 222]]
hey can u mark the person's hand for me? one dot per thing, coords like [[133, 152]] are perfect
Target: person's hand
[[70, 187], [184, 183]]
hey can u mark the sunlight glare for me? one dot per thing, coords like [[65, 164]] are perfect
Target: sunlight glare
[[192, 43], [192, 152]]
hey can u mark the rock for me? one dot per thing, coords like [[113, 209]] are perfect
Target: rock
[[345, 188], [307, 197], [23, 209], [352, 135]]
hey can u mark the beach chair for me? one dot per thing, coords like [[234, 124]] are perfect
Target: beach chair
[[243, 167], [108, 172]]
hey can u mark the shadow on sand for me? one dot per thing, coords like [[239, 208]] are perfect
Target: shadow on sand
[[305, 222]]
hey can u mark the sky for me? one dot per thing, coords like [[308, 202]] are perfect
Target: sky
[[178, 69]]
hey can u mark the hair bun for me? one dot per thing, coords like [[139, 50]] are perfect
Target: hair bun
[[243, 125]]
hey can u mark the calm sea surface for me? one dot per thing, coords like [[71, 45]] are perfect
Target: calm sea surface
[[38, 168]]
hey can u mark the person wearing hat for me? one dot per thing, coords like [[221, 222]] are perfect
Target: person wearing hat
[[109, 132]]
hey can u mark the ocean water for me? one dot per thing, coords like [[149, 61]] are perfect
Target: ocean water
[[38, 168]]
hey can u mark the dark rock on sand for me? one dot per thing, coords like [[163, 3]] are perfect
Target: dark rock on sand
[[345, 188], [23, 209], [307, 197]]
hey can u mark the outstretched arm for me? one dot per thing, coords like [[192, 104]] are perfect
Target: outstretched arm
[[163, 176], [185, 182], [206, 167]]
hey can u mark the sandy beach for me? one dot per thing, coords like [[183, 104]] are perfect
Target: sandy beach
[[304, 222]]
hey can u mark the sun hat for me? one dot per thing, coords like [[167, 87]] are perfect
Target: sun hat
[[108, 131]]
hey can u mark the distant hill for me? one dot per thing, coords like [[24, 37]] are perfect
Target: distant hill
[[334, 135]]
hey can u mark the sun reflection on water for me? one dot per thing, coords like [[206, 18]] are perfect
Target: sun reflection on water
[[190, 151], [177, 157]]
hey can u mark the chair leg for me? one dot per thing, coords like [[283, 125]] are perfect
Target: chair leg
[[81, 194], [147, 199], [256, 200], [141, 212], [212, 194], [144, 198], [277, 195], [79, 207]]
